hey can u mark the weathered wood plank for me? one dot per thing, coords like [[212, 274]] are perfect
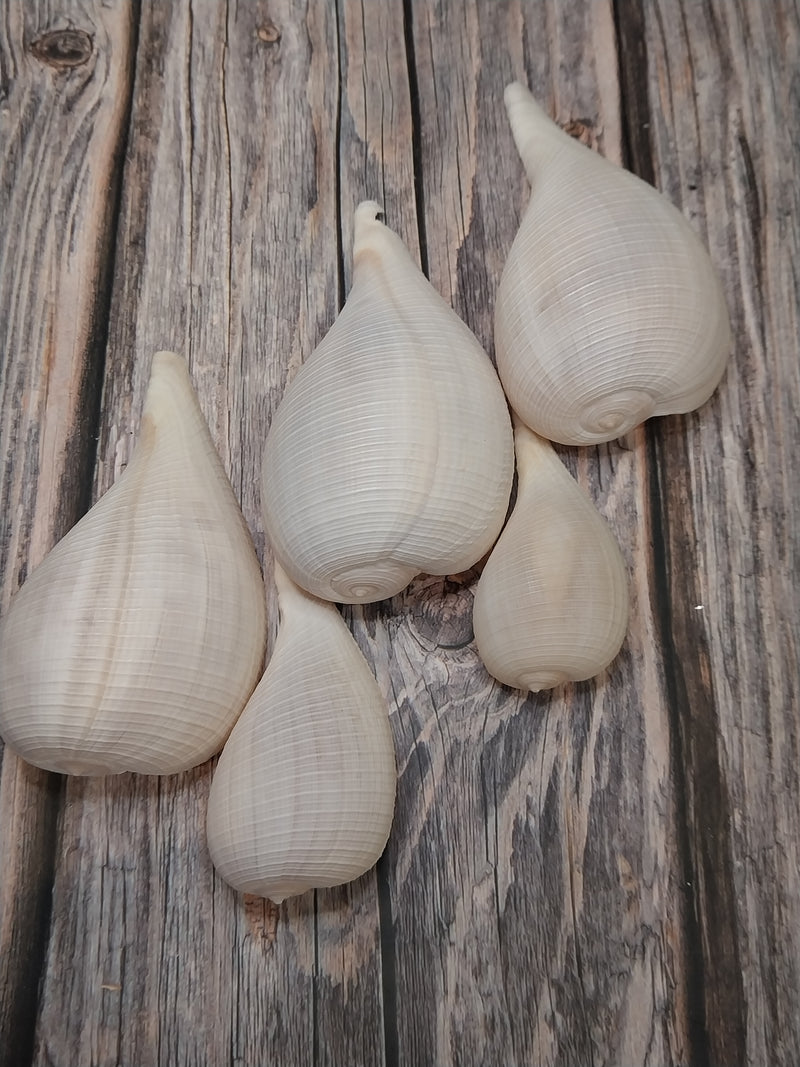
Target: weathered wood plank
[[227, 253], [64, 99], [722, 94], [376, 162], [376, 122]]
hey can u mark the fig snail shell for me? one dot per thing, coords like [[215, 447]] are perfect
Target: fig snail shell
[[303, 794], [552, 602], [136, 643], [609, 309], [391, 452]]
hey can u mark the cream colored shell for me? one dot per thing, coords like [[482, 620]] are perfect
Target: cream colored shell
[[391, 452], [609, 310], [552, 603], [136, 643], [303, 794]]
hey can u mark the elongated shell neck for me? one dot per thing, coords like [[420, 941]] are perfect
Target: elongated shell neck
[[170, 394], [534, 455], [294, 602], [537, 137], [374, 243], [366, 225]]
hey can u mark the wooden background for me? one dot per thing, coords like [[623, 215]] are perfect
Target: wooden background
[[606, 874]]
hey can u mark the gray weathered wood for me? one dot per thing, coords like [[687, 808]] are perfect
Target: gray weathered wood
[[64, 99], [722, 95], [605, 874]]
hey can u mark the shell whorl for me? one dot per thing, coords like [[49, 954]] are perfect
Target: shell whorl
[[615, 415], [368, 582]]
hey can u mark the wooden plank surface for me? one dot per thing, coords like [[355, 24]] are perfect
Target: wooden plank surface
[[64, 100], [605, 874], [731, 518]]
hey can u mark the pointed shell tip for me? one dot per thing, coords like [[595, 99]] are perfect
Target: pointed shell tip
[[366, 217], [168, 372], [166, 358], [164, 365], [515, 91], [522, 108], [368, 210]]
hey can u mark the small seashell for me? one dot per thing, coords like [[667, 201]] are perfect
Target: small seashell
[[552, 602]]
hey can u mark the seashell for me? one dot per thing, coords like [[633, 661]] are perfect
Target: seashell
[[391, 452], [552, 602], [303, 795], [136, 643], [609, 309]]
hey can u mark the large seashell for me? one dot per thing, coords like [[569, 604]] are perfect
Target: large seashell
[[303, 795], [552, 603], [391, 452], [136, 643], [609, 310]]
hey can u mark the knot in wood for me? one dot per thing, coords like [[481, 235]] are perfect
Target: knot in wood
[[441, 615], [63, 49], [269, 33]]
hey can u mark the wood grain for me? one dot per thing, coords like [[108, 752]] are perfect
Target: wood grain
[[64, 99], [731, 516], [607, 874]]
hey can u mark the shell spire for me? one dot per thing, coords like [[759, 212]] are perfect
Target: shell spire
[[536, 136], [367, 227]]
